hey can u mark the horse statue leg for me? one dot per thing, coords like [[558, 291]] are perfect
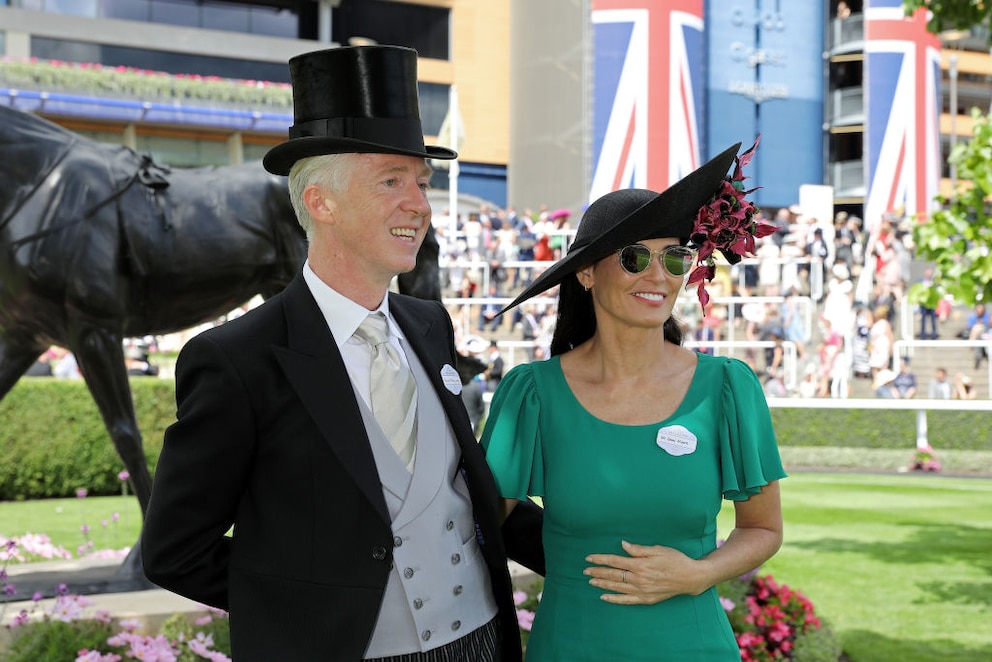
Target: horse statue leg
[[14, 362], [100, 355]]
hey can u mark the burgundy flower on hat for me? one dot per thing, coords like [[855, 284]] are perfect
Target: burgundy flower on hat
[[727, 224]]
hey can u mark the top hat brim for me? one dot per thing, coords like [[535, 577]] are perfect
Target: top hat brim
[[671, 213], [280, 159]]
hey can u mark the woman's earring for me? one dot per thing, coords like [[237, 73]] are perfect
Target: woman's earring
[[585, 288]]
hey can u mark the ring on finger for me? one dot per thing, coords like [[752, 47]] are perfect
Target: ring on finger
[[623, 576]]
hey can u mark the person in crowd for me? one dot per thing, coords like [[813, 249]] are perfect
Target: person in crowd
[[940, 388], [844, 240], [905, 380], [964, 388], [137, 361], [494, 371], [880, 340], [472, 389], [42, 367], [791, 314], [838, 305], [978, 326], [489, 313], [882, 384], [928, 316], [326, 426], [620, 423], [827, 354], [67, 367]]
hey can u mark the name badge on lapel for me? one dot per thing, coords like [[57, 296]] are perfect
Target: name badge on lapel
[[451, 380]]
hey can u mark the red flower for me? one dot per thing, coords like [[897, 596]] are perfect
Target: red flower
[[726, 223]]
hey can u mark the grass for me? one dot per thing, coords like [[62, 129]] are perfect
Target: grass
[[901, 565], [62, 521]]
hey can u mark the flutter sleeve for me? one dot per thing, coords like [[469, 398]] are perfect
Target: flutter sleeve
[[749, 457], [512, 436]]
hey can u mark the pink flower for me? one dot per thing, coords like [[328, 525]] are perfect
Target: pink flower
[[81, 493], [123, 476], [519, 597], [525, 619]]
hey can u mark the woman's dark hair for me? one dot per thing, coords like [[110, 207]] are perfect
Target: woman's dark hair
[[576, 321]]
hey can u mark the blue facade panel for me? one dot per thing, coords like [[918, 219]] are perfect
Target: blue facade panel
[[765, 76]]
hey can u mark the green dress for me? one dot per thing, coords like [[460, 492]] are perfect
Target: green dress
[[601, 483]]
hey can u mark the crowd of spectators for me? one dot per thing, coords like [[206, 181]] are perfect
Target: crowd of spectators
[[806, 288]]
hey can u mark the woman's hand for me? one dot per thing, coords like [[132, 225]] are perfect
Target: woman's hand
[[652, 574], [648, 576]]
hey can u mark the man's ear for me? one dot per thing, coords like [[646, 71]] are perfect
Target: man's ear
[[320, 206]]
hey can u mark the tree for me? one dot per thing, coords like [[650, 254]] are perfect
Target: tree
[[958, 237], [952, 14]]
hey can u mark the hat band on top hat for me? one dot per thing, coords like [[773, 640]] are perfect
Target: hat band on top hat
[[400, 132]]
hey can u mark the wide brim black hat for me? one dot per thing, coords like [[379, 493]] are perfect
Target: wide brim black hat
[[623, 217], [355, 99]]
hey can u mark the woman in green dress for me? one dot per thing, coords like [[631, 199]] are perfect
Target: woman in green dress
[[632, 440]]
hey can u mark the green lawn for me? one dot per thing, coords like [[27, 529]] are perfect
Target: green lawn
[[62, 521], [901, 565]]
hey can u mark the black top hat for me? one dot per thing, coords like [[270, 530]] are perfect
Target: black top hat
[[358, 99], [630, 215]]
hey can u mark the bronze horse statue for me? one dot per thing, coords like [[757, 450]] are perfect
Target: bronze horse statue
[[99, 244]]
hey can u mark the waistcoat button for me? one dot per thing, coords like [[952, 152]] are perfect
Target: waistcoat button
[[378, 553], [426, 635], [450, 525], [397, 541], [408, 572], [418, 603], [458, 590], [456, 559], [456, 625]]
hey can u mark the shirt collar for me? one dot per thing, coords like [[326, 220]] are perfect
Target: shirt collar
[[343, 316]]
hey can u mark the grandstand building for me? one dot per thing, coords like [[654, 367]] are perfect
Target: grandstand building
[[556, 98]]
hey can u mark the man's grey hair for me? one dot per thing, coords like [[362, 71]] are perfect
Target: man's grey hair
[[330, 171]]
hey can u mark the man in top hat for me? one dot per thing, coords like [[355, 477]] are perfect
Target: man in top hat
[[326, 426]]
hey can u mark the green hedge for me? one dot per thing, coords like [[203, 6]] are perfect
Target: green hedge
[[880, 428], [52, 439]]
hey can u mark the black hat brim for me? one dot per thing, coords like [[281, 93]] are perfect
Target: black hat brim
[[671, 213], [280, 159]]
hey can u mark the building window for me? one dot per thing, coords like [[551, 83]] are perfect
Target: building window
[[433, 106], [183, 152], [218, 15], [424, 28]]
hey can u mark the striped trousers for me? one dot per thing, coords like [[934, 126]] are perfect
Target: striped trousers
[[480, 645]]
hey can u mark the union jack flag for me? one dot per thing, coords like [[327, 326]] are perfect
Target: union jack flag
[[902, 128], [648, 83]]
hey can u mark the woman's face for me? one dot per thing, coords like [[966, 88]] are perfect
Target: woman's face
[[644, 299]]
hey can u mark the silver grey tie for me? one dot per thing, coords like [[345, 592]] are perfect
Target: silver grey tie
[[394, 390]]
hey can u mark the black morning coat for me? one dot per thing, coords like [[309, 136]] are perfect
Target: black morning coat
[[270, 439]]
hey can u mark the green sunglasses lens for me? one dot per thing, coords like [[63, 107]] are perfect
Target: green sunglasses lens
[[677, 260], [637, 258]]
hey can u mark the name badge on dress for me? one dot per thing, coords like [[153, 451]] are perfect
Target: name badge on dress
[[451, 380], [676, 440]]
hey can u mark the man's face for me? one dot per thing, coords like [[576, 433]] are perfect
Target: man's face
[[382, 215]]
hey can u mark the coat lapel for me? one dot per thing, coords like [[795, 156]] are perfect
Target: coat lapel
[[314, 367]]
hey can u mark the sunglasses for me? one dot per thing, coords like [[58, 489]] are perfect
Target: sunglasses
[[676, 260]]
